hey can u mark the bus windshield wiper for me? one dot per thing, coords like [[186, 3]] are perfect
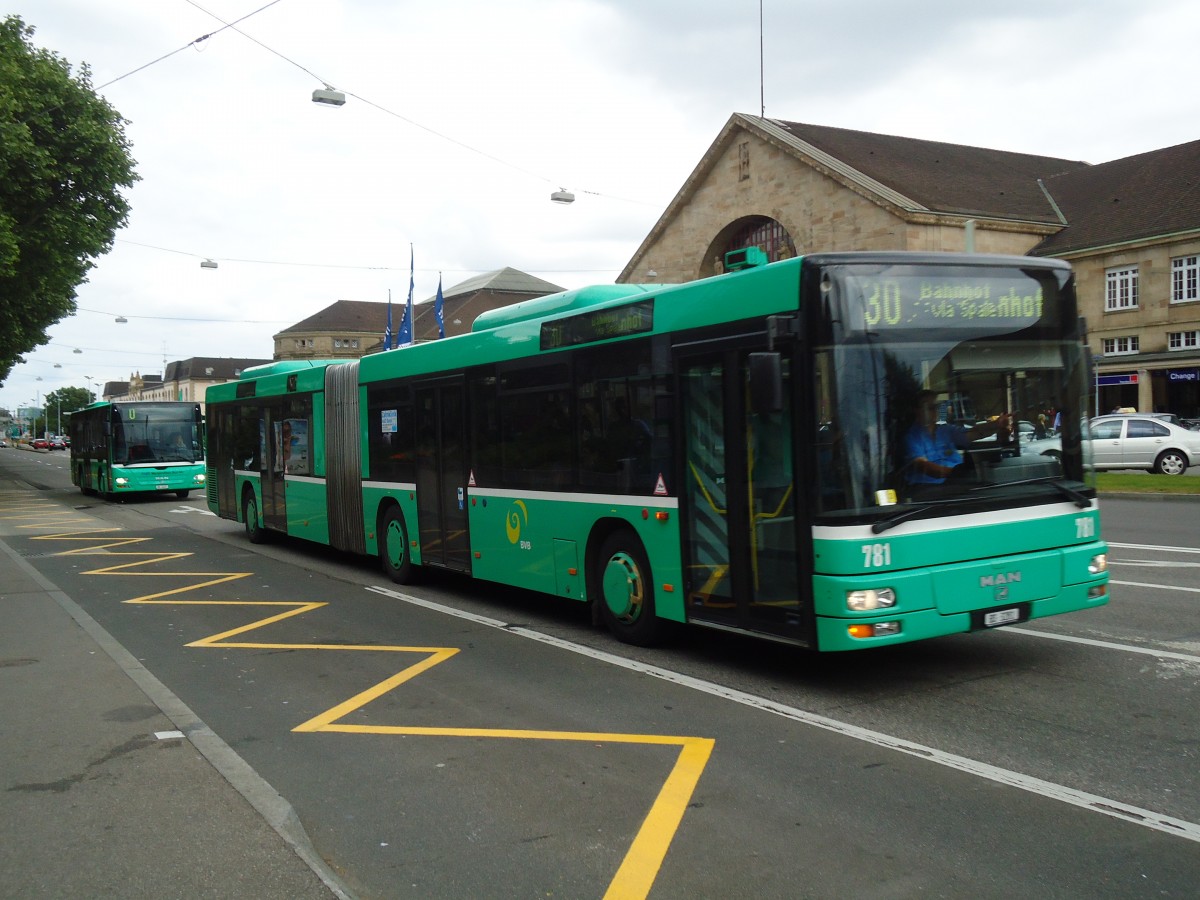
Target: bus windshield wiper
[[1054, 481], [912, 512]]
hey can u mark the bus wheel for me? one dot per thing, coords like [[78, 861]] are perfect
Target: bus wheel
[[182, 495], [83, 488], [394, 553], [625, 590], [254, 530]]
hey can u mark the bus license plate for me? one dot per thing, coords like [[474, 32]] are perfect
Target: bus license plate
[[1001, 617]]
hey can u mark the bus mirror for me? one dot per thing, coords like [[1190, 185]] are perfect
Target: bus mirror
[[766, 383]]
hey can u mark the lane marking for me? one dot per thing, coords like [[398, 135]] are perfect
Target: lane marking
[[1154, 547], [1106, 645], [1092, 802], [643, 860]]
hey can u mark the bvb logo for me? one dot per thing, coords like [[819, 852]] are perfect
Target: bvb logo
[[516, 518]]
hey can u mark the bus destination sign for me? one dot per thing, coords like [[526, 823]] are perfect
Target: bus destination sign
[[601, 325], [915, 302]]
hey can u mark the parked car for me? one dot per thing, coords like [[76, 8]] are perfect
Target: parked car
[[1145, 441], [40, 444], [3, 442], [57, 443]]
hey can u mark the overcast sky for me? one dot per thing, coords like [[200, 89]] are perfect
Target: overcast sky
[[462, 116]]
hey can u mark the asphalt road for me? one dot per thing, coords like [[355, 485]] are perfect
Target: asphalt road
[[453, 739]]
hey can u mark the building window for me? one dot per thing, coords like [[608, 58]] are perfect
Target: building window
[[345, 343], [1121, 345], [302, 343], [744, 161], [1122, 289], [1184, 271], [767, 234], [1183, 340]]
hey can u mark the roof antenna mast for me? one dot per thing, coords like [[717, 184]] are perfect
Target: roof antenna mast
[[762, 99]]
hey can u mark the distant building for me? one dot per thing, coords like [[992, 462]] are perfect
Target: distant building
[[1130, 228], [349, 329], [185, 379]]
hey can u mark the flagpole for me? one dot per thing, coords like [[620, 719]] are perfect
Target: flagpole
[[387, 334]]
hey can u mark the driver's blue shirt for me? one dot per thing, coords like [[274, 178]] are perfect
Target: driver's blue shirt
[[941, 448]]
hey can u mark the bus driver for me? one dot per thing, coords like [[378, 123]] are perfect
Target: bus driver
[[933, 450]]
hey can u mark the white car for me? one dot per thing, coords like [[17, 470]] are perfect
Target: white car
[[1143, 442]]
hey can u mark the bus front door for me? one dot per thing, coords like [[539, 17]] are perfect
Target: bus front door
[[441, 474], [740, 540]]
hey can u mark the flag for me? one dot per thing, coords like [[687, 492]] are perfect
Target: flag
[[437, 309], [406, 324], [387, 334]]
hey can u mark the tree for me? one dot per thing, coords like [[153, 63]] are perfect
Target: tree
[[63, 158], [64, 401]]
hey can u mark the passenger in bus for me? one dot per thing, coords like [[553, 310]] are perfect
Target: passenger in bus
[[932, 450], [180, 446]]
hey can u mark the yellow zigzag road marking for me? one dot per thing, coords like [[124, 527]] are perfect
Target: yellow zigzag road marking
[[641, 864]]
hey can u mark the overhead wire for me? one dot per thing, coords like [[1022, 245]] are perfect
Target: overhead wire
[[412, 122], [322, 265]]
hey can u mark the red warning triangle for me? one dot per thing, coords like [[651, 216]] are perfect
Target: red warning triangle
[[660, 488], [471, 479]]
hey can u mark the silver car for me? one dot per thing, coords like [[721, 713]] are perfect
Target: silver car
[[1143, 442]]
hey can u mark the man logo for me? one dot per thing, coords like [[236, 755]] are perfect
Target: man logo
[[997, 580]]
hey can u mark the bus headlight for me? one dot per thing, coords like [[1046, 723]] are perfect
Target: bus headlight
[[863, 601], [199, 479], [1098, 564], [120, 481]]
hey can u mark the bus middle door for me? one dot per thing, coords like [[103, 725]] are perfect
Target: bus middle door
[[441, 474], [740, 541]]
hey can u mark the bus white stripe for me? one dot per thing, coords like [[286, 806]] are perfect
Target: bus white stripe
[[942, 523]]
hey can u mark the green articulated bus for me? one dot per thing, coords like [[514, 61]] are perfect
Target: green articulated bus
[[138, 447], [754, 452]]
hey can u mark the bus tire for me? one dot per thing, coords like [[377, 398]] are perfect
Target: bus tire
[[254, 529], [182, 495], [624, 590], [394, 554]]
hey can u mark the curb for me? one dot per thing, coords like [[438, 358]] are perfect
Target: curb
[[268, 802]]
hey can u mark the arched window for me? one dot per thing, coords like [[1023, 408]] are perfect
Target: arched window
[[767, 234]]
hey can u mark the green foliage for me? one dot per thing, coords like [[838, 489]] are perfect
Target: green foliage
[[63, 158], [1146, 483], [65, 401]]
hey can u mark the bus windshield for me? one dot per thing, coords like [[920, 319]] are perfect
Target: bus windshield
[[946, 390], [146, 433]]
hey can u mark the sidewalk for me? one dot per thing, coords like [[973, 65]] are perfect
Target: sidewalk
[[99, 799]]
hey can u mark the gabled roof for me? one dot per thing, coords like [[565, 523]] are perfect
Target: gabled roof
[[908, 175], [1150, 195], [501, 281], [940, 177]]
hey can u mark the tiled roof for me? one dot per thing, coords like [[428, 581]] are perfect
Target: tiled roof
[[506, 280], [356, 316], [941, 177], [222, 368], [1145, 196], [463, 301]]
